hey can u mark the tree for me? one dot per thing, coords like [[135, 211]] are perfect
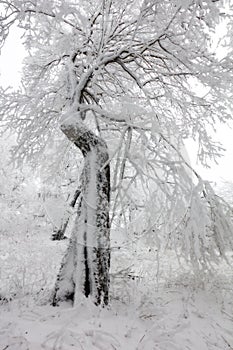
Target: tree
[[121, 73], [18, 197], [90, 249]]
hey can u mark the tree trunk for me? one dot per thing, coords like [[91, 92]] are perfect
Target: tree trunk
[[85, 267]]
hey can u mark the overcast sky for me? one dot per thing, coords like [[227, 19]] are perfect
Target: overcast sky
[[10, 66]]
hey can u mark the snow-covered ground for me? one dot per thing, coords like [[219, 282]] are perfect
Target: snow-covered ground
[[169, 309]]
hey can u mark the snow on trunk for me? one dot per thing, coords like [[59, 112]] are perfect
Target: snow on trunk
[[85, 267]]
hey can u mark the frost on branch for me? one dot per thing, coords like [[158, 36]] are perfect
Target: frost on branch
[[128, 68], [205, 234]]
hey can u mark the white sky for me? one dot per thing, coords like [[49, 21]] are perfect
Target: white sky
[[10, 66]]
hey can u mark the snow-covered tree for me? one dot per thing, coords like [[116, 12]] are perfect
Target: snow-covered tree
[[19, 203], [122, 80]]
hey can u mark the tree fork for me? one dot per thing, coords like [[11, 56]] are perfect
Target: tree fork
[[85, 267]]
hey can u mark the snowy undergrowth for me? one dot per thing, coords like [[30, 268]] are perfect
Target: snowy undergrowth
[[167, 309], [28, 265]]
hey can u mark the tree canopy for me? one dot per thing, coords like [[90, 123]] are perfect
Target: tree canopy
[[144, 75]]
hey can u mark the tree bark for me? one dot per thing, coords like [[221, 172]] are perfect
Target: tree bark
[[85, 267]]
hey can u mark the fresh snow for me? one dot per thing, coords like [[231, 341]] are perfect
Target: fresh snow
[[180, 312]]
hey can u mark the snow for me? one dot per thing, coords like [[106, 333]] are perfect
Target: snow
[[180, 312], [57, 210], [178, 319], [91, 201]]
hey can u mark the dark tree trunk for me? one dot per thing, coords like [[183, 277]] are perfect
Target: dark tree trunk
[[85, 267]]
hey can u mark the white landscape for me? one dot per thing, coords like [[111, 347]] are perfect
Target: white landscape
[[111, 236], [181, 312]]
